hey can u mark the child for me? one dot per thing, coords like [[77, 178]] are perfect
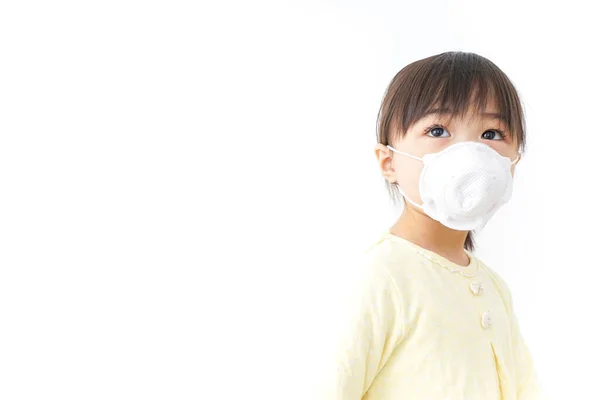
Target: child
[[430, 320]]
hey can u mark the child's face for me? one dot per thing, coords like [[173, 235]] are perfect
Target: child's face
[[434, 133]]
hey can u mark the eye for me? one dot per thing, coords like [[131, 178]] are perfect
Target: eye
[[437, 132], [493, 134]]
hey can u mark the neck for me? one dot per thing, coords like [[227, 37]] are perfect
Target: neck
[[425, 232]]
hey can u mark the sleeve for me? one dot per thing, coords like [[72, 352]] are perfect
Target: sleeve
[[367, 335], [527, 384], [528, 387]]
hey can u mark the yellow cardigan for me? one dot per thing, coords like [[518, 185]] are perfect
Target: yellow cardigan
[[422, 327]]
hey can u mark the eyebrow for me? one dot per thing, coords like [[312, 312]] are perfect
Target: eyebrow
[[440, 111]]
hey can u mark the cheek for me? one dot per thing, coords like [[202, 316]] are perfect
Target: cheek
[[504, 149], [408, 172]]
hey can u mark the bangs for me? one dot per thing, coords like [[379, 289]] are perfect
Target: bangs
[[454, 83]]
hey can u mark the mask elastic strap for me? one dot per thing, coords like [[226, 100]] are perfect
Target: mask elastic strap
[[409, 200], [403, 153], [400, 190]]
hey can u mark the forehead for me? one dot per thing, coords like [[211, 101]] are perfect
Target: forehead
[[473, 100], [489, 113]]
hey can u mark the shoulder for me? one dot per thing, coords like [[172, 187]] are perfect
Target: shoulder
[[393, 265], [499, 283], [393, 255], [383, 268]]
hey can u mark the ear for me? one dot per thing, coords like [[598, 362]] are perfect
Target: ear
[[384, 160], [512, 167], [519, 158]]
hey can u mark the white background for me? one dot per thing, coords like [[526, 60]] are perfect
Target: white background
[[183, 186]]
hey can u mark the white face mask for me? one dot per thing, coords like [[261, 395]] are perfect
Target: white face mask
[[463, 185]]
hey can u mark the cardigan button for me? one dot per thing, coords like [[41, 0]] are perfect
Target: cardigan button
[[486, 320], [476, 288]]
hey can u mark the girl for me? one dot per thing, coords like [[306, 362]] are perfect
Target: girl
[[429, 319]]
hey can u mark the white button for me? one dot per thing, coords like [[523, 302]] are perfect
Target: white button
[[486, 320], [476, 288]]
